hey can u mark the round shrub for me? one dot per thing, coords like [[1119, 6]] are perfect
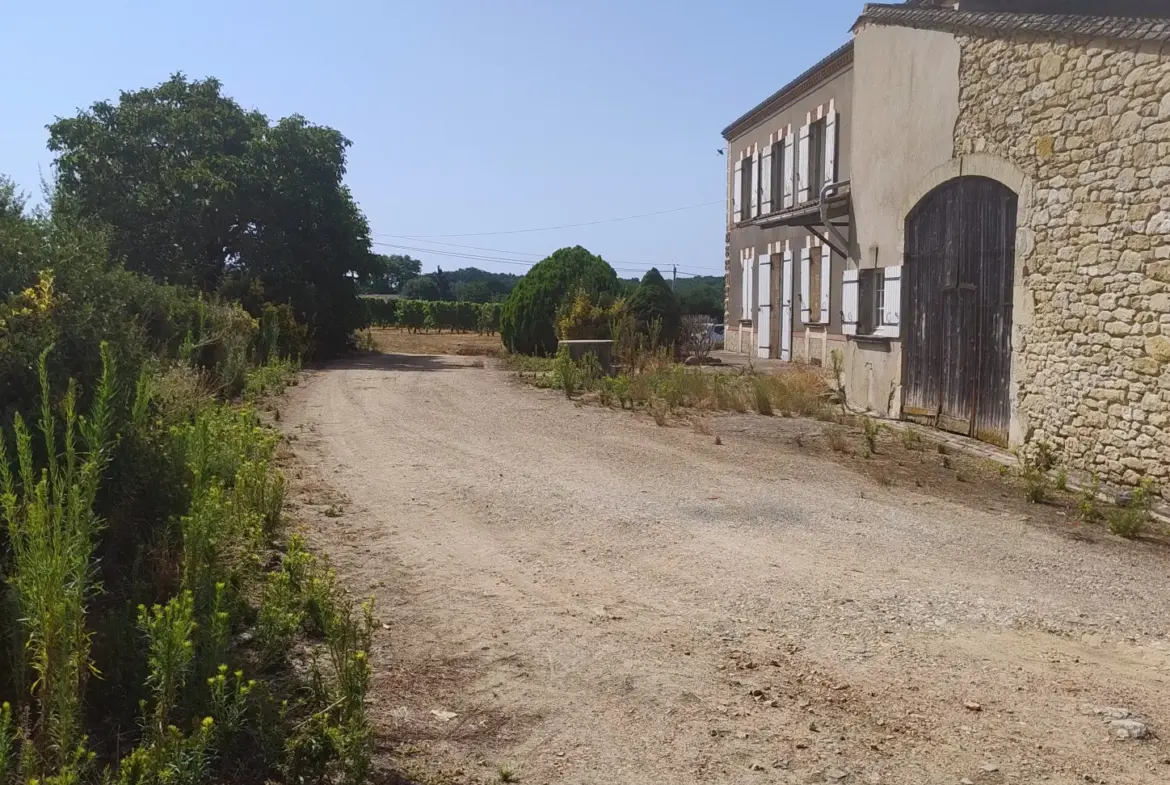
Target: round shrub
[[528, 318]]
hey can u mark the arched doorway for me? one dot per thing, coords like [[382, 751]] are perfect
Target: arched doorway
[[957, 308]]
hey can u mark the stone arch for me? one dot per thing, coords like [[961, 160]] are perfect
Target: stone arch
[[1018, 181]]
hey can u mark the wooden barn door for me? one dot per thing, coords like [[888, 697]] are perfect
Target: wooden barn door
[[957, 308]]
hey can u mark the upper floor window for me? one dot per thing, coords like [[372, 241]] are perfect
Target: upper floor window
[[816, 158]]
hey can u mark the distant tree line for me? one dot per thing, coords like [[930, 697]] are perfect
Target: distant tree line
[[402, 275]]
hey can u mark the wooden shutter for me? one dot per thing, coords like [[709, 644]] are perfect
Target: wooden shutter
[[786, 307], [744, 284], [764, 320], [737, 192], [766, 181], [826, 271], [751, 309], [802, 167], [789, 160], [805, 285], [891, 326], [849, 287], [831, 144]]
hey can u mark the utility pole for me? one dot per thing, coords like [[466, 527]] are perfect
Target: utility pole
[[673, 276]]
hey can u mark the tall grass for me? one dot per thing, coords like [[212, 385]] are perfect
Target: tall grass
[[51, 524], [197, 710]]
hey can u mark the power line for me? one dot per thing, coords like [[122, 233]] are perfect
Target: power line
[[564, 226], [695, 271], [500, 260]]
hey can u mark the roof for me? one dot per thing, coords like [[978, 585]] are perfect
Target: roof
[[1010, 22], [827, 67]]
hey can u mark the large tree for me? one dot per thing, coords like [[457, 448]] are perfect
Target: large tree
[[195, 190], [392, 272]]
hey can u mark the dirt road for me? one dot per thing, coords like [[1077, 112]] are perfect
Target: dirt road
[[600, 600]]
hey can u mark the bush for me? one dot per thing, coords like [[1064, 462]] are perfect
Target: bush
[[1129, 520], [580, 318], [654, 301], [528, 318]]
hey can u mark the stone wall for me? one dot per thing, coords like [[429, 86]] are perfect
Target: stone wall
[[1088, 122]]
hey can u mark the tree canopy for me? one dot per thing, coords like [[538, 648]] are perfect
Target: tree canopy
[[654, 300], [423, 287], [195, 190], [391, 273]]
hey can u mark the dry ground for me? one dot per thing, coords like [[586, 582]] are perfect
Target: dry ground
[[395, 340], [589, 598]]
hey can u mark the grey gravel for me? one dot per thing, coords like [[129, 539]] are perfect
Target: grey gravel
[[490, 520]]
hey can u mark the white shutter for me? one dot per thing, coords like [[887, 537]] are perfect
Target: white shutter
[[764, 321], [891, 326], [831, 145], [826, 271], [737, 192], [751, 309], [755, 184], [766, 181], [786, 307], [745, 307], [789, 160], [805, 285], [802, 167], [849, 287]]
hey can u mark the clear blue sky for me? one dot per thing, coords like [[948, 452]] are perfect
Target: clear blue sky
[[466, 116]]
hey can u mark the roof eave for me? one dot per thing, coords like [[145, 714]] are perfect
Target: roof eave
[[826, 67]]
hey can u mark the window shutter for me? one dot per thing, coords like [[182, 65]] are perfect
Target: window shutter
[[826, 271], [737, 192], [805, 285], [751, 288], [744, 288], [802, 167], [766, 181], [849, 286], [764, 319], [831, 144], [891, 326], [789, 158]]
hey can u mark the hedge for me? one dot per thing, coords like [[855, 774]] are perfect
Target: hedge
[[426, 315]]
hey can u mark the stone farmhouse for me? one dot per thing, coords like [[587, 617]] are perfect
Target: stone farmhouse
[[969, 206]]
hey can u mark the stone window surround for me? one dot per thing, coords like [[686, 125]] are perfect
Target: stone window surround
[[1010, 175]]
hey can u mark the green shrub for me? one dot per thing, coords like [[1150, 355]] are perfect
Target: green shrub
[[528, 318], [1128, 521], [870, 430], [1087, 509], [1036, 483]]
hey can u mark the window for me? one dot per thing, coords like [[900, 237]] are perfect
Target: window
[[815, 277], [778, 170], [747, 191], [870, 300], [814, 293], [816, 159]]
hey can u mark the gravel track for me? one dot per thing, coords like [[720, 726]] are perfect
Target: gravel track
[[601, 600]]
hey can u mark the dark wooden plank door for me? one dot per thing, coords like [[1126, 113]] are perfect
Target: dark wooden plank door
[[960, 257]]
